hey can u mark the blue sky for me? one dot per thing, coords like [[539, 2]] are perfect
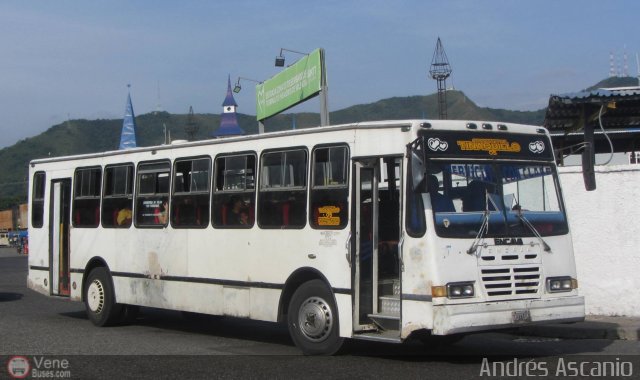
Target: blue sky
[[74, 59]]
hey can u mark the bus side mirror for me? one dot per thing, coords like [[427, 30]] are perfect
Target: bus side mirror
[[588, 171], [417, 173]]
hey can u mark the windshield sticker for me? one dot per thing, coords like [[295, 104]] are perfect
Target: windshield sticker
[[435, 144], [516, 173], [473, 171], [510, 173], [536, 147], [491, 146]]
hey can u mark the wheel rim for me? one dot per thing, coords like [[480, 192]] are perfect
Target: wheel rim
[[95, 296], [315, 319]]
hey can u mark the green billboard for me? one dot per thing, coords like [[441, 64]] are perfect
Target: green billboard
[[300, 81]]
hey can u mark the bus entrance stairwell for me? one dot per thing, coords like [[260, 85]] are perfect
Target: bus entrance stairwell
[[59, 221], [377, 235]]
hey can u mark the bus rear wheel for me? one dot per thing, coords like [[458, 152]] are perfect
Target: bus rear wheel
[[313, 319], [99, 298]]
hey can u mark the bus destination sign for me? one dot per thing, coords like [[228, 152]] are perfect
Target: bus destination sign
[[487, 145]]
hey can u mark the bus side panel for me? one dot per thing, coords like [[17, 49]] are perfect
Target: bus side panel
[[344, 303], [138, 259], [38, 278], [416, 315], [262, 260], [417, 279]]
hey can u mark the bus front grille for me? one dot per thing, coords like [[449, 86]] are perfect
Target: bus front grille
[[511, 282]]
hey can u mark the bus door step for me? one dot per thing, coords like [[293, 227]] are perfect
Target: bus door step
[[389, 305], [386, 322], [392, 336]]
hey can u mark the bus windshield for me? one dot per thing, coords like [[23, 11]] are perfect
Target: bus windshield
[[516, 199]]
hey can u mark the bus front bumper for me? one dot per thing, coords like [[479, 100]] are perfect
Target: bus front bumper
[[454, 319]]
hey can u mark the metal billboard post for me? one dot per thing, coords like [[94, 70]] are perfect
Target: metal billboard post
[[324, 108], [324, 92]]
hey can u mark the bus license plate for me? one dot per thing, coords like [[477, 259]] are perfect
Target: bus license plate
[[521, 316]]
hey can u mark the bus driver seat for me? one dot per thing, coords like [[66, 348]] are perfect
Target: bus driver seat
[[475, 198]]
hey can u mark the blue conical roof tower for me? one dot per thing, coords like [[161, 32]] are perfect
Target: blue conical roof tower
[[229, 119], [128, 135]]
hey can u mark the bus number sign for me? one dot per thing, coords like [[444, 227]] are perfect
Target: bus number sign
[[327, 217]]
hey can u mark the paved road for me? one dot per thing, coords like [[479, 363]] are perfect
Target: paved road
[[162, 344]]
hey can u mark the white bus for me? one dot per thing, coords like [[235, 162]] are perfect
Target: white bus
[[374, 230], [4, 238]]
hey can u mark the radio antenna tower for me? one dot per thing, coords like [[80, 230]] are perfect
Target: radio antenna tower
[[625, 63], [440, 70], [612, 65], [638, 66], [158, 105], [191, 127]]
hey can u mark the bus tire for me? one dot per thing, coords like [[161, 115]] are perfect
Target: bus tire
[[312, 319], [99, 299]]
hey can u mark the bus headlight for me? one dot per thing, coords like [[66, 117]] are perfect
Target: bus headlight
[[561, 284], [460, 290]]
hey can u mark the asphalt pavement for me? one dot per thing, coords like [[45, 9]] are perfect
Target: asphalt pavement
[[594, 326], [39, 330]]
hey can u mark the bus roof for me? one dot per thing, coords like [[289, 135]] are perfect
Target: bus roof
[[452, 125]]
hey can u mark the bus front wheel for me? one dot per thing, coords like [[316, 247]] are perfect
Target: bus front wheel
[[99, 298], [313, 319]]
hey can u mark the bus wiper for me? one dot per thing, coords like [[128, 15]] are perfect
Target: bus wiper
[[484, 227], [527, 223]]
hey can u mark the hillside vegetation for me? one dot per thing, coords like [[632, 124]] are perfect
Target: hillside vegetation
[[87, 136]]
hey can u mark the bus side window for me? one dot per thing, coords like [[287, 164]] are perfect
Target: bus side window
[[152, 194], [329, 191], [190, 200], [117, 200], [37, 200], [86, 197], [234, 191], [282, 201]]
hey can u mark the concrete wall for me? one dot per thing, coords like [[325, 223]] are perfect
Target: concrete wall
[[605, 224]]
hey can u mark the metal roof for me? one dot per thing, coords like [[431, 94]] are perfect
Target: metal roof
[[598, 95], [621, 108], [618, 109]]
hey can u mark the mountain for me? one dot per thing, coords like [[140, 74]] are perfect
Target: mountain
[[86, 136], [615, 82], [410, 107]]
